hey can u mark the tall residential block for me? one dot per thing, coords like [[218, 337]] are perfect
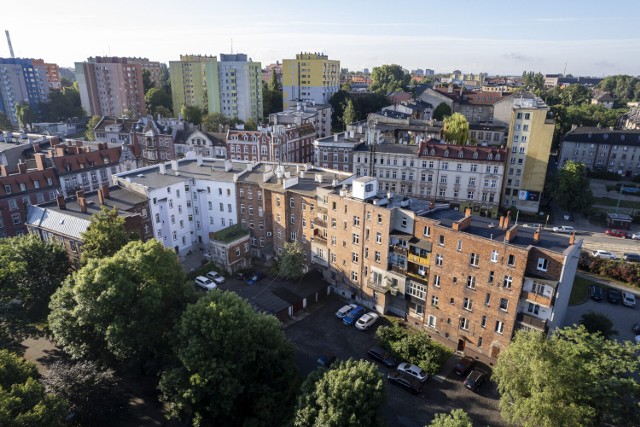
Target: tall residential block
[[194, 82], [111, 86], [21, 81], [309, 77], [240, 87], [50, 71], [530, 133]]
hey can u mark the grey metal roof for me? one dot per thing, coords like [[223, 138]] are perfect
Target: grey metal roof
[[57, 222]]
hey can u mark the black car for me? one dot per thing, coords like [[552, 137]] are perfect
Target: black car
[[613, 296], [464, 365], [596, 293], [631, 257], [405, 381], [326, 360], [636, 328], [475, 380], [382, 356]]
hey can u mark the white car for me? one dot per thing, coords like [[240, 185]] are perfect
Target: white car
[[345, 310], [413, 370], [367, 320], [635, 236], [564, 229], [205, 283], [628, 299], [599, 253], [215, 277]]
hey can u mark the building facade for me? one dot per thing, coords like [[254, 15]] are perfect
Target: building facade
[[291, 144], [22, 81], [194, 83], [240, 81], [111, 86], [310, 76], [50, 71], [319, 115]]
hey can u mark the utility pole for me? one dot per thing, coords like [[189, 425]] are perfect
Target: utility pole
[[619, 197]]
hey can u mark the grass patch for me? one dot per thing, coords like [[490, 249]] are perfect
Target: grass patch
[[229, 234], [580, 291], [605, 201]]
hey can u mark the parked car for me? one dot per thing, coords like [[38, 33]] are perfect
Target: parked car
[[600, 253], [215, 277], [596, 293], [616, 233], [415, 371], [326, 360], [366, 320], [464, 365], [205, 283], [613, 296], [563, 229], [636, 328], [353, 315], [243, 276], [631, 257], [635, 236], [405, 381], [255, 278], [345, 310], [382, 356], [475, 380], [628, 299]]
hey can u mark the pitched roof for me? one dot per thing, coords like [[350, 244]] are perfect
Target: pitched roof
[[87, 160], [462, 152], [595, 135]]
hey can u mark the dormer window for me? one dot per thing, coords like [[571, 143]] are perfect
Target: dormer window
[[489, 156], [475, 155], [67, 167], [460, 154]]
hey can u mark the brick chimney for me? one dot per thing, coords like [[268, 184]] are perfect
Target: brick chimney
[[100, 197], [3, 170], [81, 201], [511, 233], [60, 149], [507, 220], [467, 212], [22, 167], [501, 222], [36, 147], [572, 238], [536, 234], [105, 190], [61, 203], [40, 161]]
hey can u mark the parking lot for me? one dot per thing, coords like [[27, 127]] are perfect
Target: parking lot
[[320, 332]]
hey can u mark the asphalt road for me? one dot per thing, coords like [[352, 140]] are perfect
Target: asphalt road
[[321, 332]]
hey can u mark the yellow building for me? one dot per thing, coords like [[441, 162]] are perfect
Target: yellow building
[[311, 77]]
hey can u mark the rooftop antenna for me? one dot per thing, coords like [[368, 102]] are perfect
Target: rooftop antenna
[[564, 73], [9, 43], [232, 46]]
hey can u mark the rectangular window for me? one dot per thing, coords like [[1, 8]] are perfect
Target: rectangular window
[[474, 259], [377, 256], [356, 221], [354, 257], [439, 260], [464, 323], [436, 280], [434, 300], [507, 282], [490, 279], [467, 304], [378, 237], [487, 299], [499, 327], [355, 238], [426, 231], [542, 264], [441, 240], [431, 321], [494, 256], [483, 322], [511, 260], [471, 282], [504, 304]]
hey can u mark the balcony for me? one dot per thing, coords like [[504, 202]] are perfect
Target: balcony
[[378, 287], [527, 321], [319, 222], [397, 268], [417, 259], [397, 249], [423, 280], [319, 260], [322, 210], [542, 300]]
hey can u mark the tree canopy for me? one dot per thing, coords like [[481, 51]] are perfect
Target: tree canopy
[[147, 84], [598, 323], [624, 88], [23, 400], [63, 104], [573, 378], [121, 308], [105, 235], [571, 188], [235, 366], [292, 261], [25, 116], [389, 78], [155, 98], [441, 111], [350, 394], [272, 101], [456, 129], [5, 123], [93, 121], [456, 418], [349, 113], [191, 114]]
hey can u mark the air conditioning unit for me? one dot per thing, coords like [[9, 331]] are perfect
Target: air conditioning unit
[[269, 234]]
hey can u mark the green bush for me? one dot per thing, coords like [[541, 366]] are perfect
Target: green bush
[[616, 270]]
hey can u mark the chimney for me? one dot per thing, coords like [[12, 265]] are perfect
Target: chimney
[[81, 201], [228, 165], [40, 162], [199, 159], [22, 167], [105, 191], [572, 238], [60, 149], [100, 197], [60, 200], [536, 234], [511, 233], [36, 147], [3, 170], [507, 220], [162, 169], [467, 212], [501, 222]]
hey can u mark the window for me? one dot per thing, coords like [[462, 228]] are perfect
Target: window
[[504, 304], [487, 299], [417, 290], [378, 237], [464, 323], [467, 304], [355, 238], [379, 218], [16, 218], [512, 260], [471, 282], [439, 260], [474, 259], [436, 280], [459, 247], [499, 327], [434, 300], [483, 322], [490, 279], [356, 221], [293, 219], [354, 276], [441, 240], [542, 264], [7, 189], [426, 231], [431, 321], [333, 240], [507, 282], [292, 202], [294, 236], [494, 256], [533, 308], [377, 256], [354, 257]]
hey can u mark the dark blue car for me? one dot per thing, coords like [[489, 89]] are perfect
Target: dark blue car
[[353, 315], [255, 278]]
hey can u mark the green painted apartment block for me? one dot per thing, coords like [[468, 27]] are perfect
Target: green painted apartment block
[[194, 82]]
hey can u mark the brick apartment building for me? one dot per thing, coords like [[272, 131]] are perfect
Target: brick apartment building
[[292, 144]]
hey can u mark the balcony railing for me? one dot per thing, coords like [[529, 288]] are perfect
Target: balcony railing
[[528, 321], [377, 286], [397, 249], [417, 259], [397, 268], [424, 280], [538, 299]]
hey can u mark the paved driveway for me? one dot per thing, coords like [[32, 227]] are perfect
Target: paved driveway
[[320, 332], [622, 317]]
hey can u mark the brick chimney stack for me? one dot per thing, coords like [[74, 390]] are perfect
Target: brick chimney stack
[[572, 238], [61, 203], [536, 234], [40, 161], [22, 167], [36, 147], [3, 170], [105, 190], [81, 201]]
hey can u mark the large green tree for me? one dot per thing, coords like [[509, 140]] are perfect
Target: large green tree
[[191, 114], [572, 378], [368, 103], [598, 323], [235, 366], [272, 101], [624, 88], [5, 123], [213, 121], [25, 115], [338, 101], [121, 308], [349, 113], [456, 129], [292, 262], [155, 98], [105, 235], [23, 400], [63, 104], [349, 394], [92, 123], [441, 111], [456, 418], [147, 84], [570, 187], [389, 78]]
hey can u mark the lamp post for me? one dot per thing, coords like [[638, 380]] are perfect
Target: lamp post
[[619, 197]]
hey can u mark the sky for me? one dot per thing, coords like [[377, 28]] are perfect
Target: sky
[[588, 37]]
